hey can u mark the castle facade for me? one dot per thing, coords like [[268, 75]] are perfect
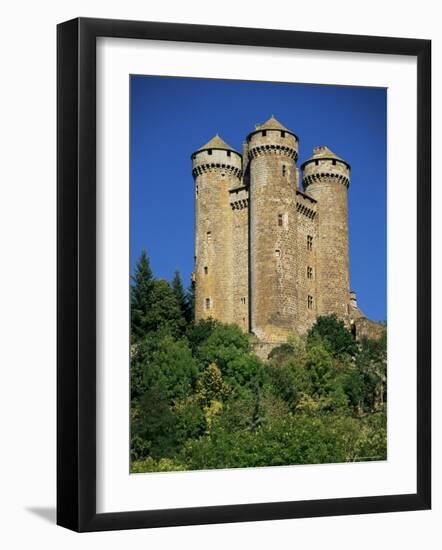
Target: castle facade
[[272, 255]]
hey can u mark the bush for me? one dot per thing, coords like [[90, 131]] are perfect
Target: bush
[[298, 439], [151, 465], [201, 399], [337, 339]]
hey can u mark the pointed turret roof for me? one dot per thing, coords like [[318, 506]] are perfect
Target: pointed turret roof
[[216, 143], [323, 152], [271, 124]]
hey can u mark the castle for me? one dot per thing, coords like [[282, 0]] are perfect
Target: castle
[[270, 255]]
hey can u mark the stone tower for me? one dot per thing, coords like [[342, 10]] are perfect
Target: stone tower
[[272, 154], [217, 168], [270, 256], [326, 178]]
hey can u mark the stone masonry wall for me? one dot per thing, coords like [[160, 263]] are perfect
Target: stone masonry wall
[[327, 182], [306, 262], [239, 202], [268, 256], [215, 173], [272, 234]]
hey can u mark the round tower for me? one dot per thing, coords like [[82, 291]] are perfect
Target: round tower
[[216, 168], [326, 178], [272, 151]]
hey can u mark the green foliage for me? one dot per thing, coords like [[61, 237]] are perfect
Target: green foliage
[[224, 344], [200, 397], [160, 359], [154, 304], [281, 353], [290, 381], [152, 425], [190, 297], [190, 419], [211, 386], [299, 439], [198, 332], [229, 348], [337, 339], [371, 364], [149, 464], [164, 310], [182, 297], [140, 295]]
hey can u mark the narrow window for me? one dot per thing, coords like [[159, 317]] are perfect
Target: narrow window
[[243, 300], [228, 153], [264, 133], [282, 134], [209, 236], [309, 272], [310, 302], [284, 169], [309, 242], [209, 151], [277, 253], [316, 162], [206, 270], [280, 220], [334, 162], [208, 304]]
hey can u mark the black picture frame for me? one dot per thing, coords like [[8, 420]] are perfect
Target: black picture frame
[[76, 272]]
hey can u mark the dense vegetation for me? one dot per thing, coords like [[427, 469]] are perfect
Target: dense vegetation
[[201, 399]]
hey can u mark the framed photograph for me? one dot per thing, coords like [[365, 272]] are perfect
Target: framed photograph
[[243, 274]]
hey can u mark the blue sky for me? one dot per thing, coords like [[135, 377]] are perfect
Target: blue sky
[[172, 117]]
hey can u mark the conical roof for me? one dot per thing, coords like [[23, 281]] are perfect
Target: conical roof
[[271, 124], [323, 152], [216, 143]]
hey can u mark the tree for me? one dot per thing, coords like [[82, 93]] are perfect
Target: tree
[[211, 386], [162, 360], [224, 344], [289, 381], [281, 353], [164, 311], [200, 331], [190, 296], [298, 439], [152, 426], [371, 363], [338, 340], [229, 347], [140, 294], [182, 297]]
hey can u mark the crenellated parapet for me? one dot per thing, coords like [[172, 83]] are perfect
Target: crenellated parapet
[[330, 177], [325, 166], [239, 198], [272, 138], [305, 205], [272, 149], [219, 168], [217, 158]]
